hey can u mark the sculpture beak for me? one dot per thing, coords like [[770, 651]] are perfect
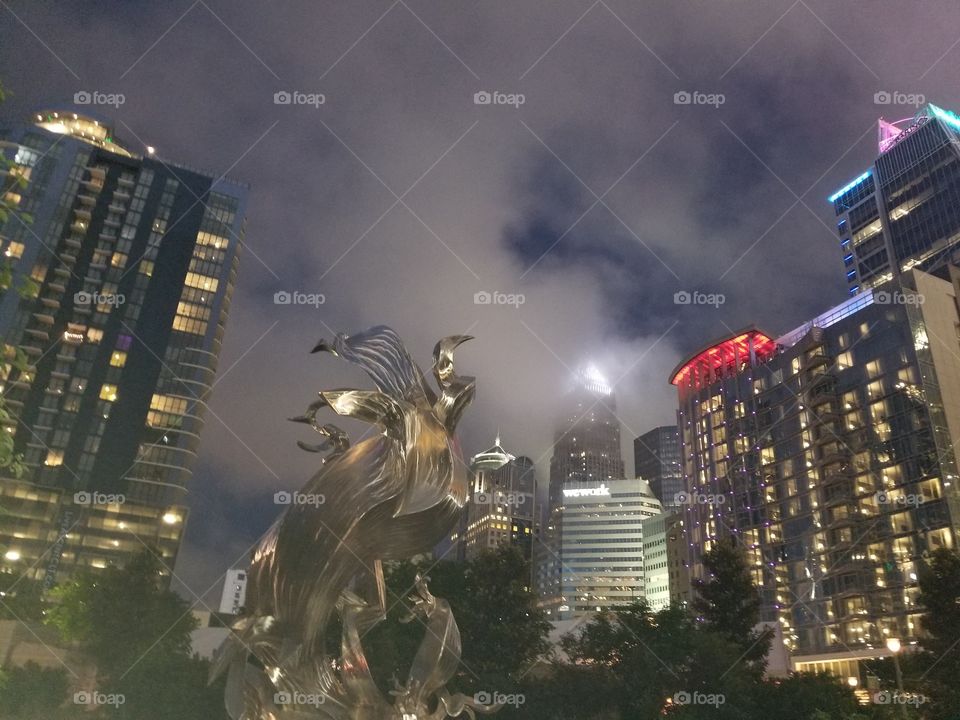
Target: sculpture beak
[[323, 346]]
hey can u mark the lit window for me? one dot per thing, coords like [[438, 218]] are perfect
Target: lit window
[[94, 335], [205, 238], [204, 282], [15, 250], [118, 359], [108, 392], [54, 458]]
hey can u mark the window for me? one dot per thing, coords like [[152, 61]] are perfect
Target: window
[[94, 335], [118, 359], [54, 458], [204, 282], [108, 392]]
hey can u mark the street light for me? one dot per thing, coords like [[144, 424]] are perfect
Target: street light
[[893, 645]]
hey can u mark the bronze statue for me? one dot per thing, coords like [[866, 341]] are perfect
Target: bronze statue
[[389, 497]]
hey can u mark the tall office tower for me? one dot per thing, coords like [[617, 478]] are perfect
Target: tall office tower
[[904, 211], [500, 508], [656, 457], [602, 544], [828, 455], [132, 263], [586, 452]]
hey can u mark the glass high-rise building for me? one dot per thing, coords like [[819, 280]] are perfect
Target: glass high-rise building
[[828, 454], [903, 211], [656, 457], [586, 452], [118, 297]]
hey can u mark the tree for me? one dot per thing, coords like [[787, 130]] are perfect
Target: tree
[[502, 631], [11, 358], [138, 635], [31, 691], [939, 664], [658, 663], [728, 602]]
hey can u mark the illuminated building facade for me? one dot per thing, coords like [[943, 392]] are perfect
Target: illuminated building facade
[[656, 458], [828, 455], [586, 452], [904, 211], [500, 509], [132, 264], [602, 545]]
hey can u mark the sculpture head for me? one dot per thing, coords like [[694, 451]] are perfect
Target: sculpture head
[[456, 391]]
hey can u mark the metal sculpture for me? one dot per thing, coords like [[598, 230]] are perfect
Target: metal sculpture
[[389, 497]]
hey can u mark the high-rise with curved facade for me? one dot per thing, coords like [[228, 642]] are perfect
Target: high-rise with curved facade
[[118, 293]]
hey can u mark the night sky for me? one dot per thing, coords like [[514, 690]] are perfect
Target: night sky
[[399, 197]]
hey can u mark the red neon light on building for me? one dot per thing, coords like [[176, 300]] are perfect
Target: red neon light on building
[[723, 359]]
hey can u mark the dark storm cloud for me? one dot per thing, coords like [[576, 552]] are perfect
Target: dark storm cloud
[[398, 198]]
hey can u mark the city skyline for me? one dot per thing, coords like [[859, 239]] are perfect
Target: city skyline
[[732, 176]]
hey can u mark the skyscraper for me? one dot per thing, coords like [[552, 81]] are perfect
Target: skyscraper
[[500, 507], [656, 457], [586, 452], [601, 545], [828, 454], [903, 211], [133, 263]]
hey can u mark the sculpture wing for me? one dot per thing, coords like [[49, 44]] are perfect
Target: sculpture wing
[[383, 356]]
